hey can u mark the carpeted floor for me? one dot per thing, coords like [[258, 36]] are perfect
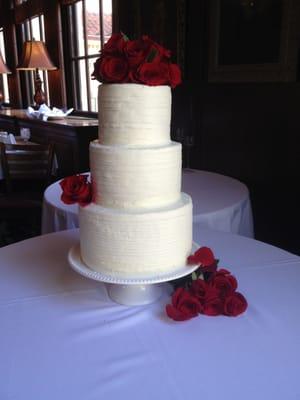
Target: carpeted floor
[[17, 230]]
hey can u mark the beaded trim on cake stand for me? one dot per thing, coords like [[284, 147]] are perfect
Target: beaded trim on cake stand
[[129, 291]]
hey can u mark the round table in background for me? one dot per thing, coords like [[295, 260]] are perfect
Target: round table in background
[[219, 203], [62, 337]]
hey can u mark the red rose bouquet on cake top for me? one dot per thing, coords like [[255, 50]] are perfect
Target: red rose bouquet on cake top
[[140, 61]]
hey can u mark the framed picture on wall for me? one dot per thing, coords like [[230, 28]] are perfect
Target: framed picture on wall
[[252, 40]]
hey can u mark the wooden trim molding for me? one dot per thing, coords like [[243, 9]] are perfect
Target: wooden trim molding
[[283, 69]]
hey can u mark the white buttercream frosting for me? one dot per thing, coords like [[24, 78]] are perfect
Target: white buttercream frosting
[[131, 114], [126, 177], [139, 223], [136, 243]]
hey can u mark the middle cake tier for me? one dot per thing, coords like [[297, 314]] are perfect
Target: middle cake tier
[[127, 177]]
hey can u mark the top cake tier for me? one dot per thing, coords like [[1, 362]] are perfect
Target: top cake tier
[[131, 114]]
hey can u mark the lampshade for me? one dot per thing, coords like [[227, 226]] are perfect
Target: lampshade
[[3, 68], [35, 56]]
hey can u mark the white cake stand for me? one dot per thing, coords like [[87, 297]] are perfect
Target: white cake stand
[[125, 290]]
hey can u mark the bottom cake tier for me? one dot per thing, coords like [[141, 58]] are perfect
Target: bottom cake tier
[[136, 243]]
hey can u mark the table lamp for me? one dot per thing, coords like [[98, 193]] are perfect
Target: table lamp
[[3, 70], [35, 56]]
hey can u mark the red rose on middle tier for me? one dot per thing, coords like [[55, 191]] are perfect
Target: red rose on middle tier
[[76, 189]]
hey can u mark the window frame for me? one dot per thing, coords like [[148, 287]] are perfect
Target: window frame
[[72, 58]]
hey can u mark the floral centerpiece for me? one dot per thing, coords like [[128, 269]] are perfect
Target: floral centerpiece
[[207, 290], [141, 61]]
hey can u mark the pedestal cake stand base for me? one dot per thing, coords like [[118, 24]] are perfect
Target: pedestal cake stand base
[[125, 290]]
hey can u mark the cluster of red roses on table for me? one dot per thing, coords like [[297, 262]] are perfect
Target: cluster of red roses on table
[[141, 61], [76, 189], [207, 290]]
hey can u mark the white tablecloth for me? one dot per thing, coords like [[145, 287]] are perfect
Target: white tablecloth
[[219, 202], [61, 336]]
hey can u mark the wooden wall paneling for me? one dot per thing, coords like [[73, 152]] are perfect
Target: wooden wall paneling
[[275, 22], [67, 64], [11, 58], [187, 98], [53, 36], [29, 9], [128, 17], [115, 16], [1, 13], [11, 54]]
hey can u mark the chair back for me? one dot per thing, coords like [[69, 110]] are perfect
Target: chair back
[[26, 162]]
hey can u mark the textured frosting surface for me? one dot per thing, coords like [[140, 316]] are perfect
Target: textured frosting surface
[[127, 177], [135, 243], [131, 114]]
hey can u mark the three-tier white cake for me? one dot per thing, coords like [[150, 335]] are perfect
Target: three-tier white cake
[[139, 223]]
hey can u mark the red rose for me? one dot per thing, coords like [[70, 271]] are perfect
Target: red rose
[[76, 189], [115, 44], [203, 256], [96, 72], [114, 69], [153, 74], [224, 282], [199, 289], [235, 304], [203, 291], [175, 75], [136, 52], [184, 306], [208, 296], [159, 52], [213, 307]]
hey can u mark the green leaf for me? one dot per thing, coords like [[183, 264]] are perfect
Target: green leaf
[[125, 37], [151, 56], [194, 276]]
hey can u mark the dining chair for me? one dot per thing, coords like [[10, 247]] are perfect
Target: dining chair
[[27, 170], [25, 164]]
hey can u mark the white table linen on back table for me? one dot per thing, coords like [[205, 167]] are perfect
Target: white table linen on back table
[[61, 336], [219, 203]]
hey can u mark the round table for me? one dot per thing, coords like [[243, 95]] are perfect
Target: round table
[[62, 337], [219, 202]]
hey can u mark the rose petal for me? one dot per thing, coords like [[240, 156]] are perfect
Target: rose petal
[[235, 304], [177, 315]]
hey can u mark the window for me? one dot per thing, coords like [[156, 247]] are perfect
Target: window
[[15, 3], [33, 28], [3, 77], [90, 23]]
